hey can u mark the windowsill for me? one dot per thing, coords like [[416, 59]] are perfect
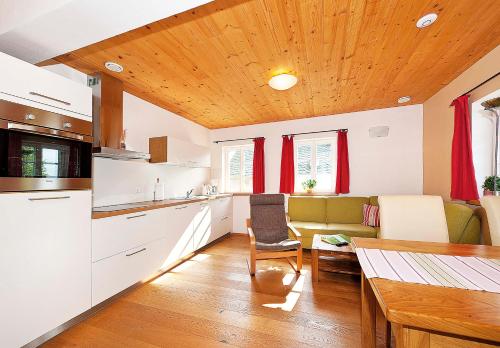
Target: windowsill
[[314, 194], [239, 193]]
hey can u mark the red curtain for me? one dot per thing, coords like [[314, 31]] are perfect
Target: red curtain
[[342, 183], [463, 178], [259, 182], [287, 178]]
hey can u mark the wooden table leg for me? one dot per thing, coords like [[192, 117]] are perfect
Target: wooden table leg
[[315, 265], [368, 314]]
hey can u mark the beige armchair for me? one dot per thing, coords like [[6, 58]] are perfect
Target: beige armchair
[[268, 230], [491, 205]]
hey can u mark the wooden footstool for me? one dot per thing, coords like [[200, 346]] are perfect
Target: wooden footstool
[[333, 258]]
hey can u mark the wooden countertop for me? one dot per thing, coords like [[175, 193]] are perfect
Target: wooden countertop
[[150, 205]]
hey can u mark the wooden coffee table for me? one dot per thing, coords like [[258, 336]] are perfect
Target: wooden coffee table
[[333, 258]]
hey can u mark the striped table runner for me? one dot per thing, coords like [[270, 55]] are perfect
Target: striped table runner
[[472, 273]]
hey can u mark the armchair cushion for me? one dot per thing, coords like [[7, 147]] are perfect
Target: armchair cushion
[[268, 216], [288, 244]]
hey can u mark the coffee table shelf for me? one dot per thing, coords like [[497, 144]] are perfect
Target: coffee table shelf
[[332, 258]]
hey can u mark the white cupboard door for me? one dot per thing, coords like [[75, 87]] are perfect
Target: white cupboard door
[[46, 89], [180, 222], [45, 262], [202, 225]]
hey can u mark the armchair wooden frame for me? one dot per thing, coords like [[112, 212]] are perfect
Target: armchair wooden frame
[[270, 254]]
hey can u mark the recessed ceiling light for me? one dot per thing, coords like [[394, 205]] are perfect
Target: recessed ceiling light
[[282, 81], [115, 67], [403, 100], [426, 20]]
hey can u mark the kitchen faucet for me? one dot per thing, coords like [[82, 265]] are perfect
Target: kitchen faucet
[[188, 193]]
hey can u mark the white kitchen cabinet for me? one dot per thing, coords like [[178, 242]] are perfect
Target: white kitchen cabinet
[[118, 272], [222, 217], [202, 225], [180, 228], [30, 85], [115, 234], [174, 151], [45, 262]]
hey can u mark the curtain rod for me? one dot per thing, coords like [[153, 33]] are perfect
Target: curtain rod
[[224, 141], [323, 131], [482, 83]]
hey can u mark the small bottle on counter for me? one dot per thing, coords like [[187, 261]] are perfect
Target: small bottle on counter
[[159, 192]]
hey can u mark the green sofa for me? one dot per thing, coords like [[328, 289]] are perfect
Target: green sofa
[[332, 215]]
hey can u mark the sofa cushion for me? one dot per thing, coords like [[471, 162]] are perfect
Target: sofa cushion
[[309, 229], [463, 225], [373, 200], [345, 210], [307, 209], [353, 230]]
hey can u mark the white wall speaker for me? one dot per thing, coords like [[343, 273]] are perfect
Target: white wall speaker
[[378, 131]]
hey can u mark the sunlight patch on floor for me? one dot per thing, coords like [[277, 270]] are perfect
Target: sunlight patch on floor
[[293, 296]]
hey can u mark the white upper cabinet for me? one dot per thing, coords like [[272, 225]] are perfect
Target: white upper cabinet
[[178, 152], [30, 85]]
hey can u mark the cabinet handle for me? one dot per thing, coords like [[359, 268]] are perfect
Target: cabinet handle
[[136, 216], [136, 252], [181, 208], [53, 99], [224, 218], [48, 198]]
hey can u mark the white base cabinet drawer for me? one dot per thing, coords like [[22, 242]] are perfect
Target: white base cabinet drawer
[[118, 272], [113, 235]]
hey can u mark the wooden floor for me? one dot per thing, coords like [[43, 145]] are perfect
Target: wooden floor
[[211, 301]]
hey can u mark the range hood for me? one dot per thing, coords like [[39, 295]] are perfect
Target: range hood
[[107, 108]]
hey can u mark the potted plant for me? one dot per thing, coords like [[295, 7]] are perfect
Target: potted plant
[[309, 185], [488, 185]]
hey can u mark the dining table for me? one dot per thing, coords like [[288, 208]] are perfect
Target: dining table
[[421, 315]]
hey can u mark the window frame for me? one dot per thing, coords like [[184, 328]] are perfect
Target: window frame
[[225, 168], [314, 141]]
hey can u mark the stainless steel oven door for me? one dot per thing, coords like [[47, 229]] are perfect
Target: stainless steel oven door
[[33, 158]]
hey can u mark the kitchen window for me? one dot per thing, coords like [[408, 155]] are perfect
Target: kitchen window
[[316, 159], [238, 168]]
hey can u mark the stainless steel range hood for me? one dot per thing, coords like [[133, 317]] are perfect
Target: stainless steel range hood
[[107, 101], [119, 154]]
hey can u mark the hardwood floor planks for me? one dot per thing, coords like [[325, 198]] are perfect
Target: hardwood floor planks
[[211, 301]]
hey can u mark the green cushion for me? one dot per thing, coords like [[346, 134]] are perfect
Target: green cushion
[[353, 230], [309, 229], [374, 200], [463, 225], [345, 210], [308, 209]]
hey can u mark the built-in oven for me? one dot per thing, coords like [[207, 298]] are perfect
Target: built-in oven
[[42, 150]]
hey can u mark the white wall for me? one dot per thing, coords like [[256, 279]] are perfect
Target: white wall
[[116, 182], [391, 165], [483, 140]]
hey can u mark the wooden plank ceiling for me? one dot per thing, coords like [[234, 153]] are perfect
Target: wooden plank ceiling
[[211, 65]]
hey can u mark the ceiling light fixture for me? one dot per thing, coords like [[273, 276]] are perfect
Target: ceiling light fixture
[[282, 82], [426, 20], [115, 67], [403, 100]]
